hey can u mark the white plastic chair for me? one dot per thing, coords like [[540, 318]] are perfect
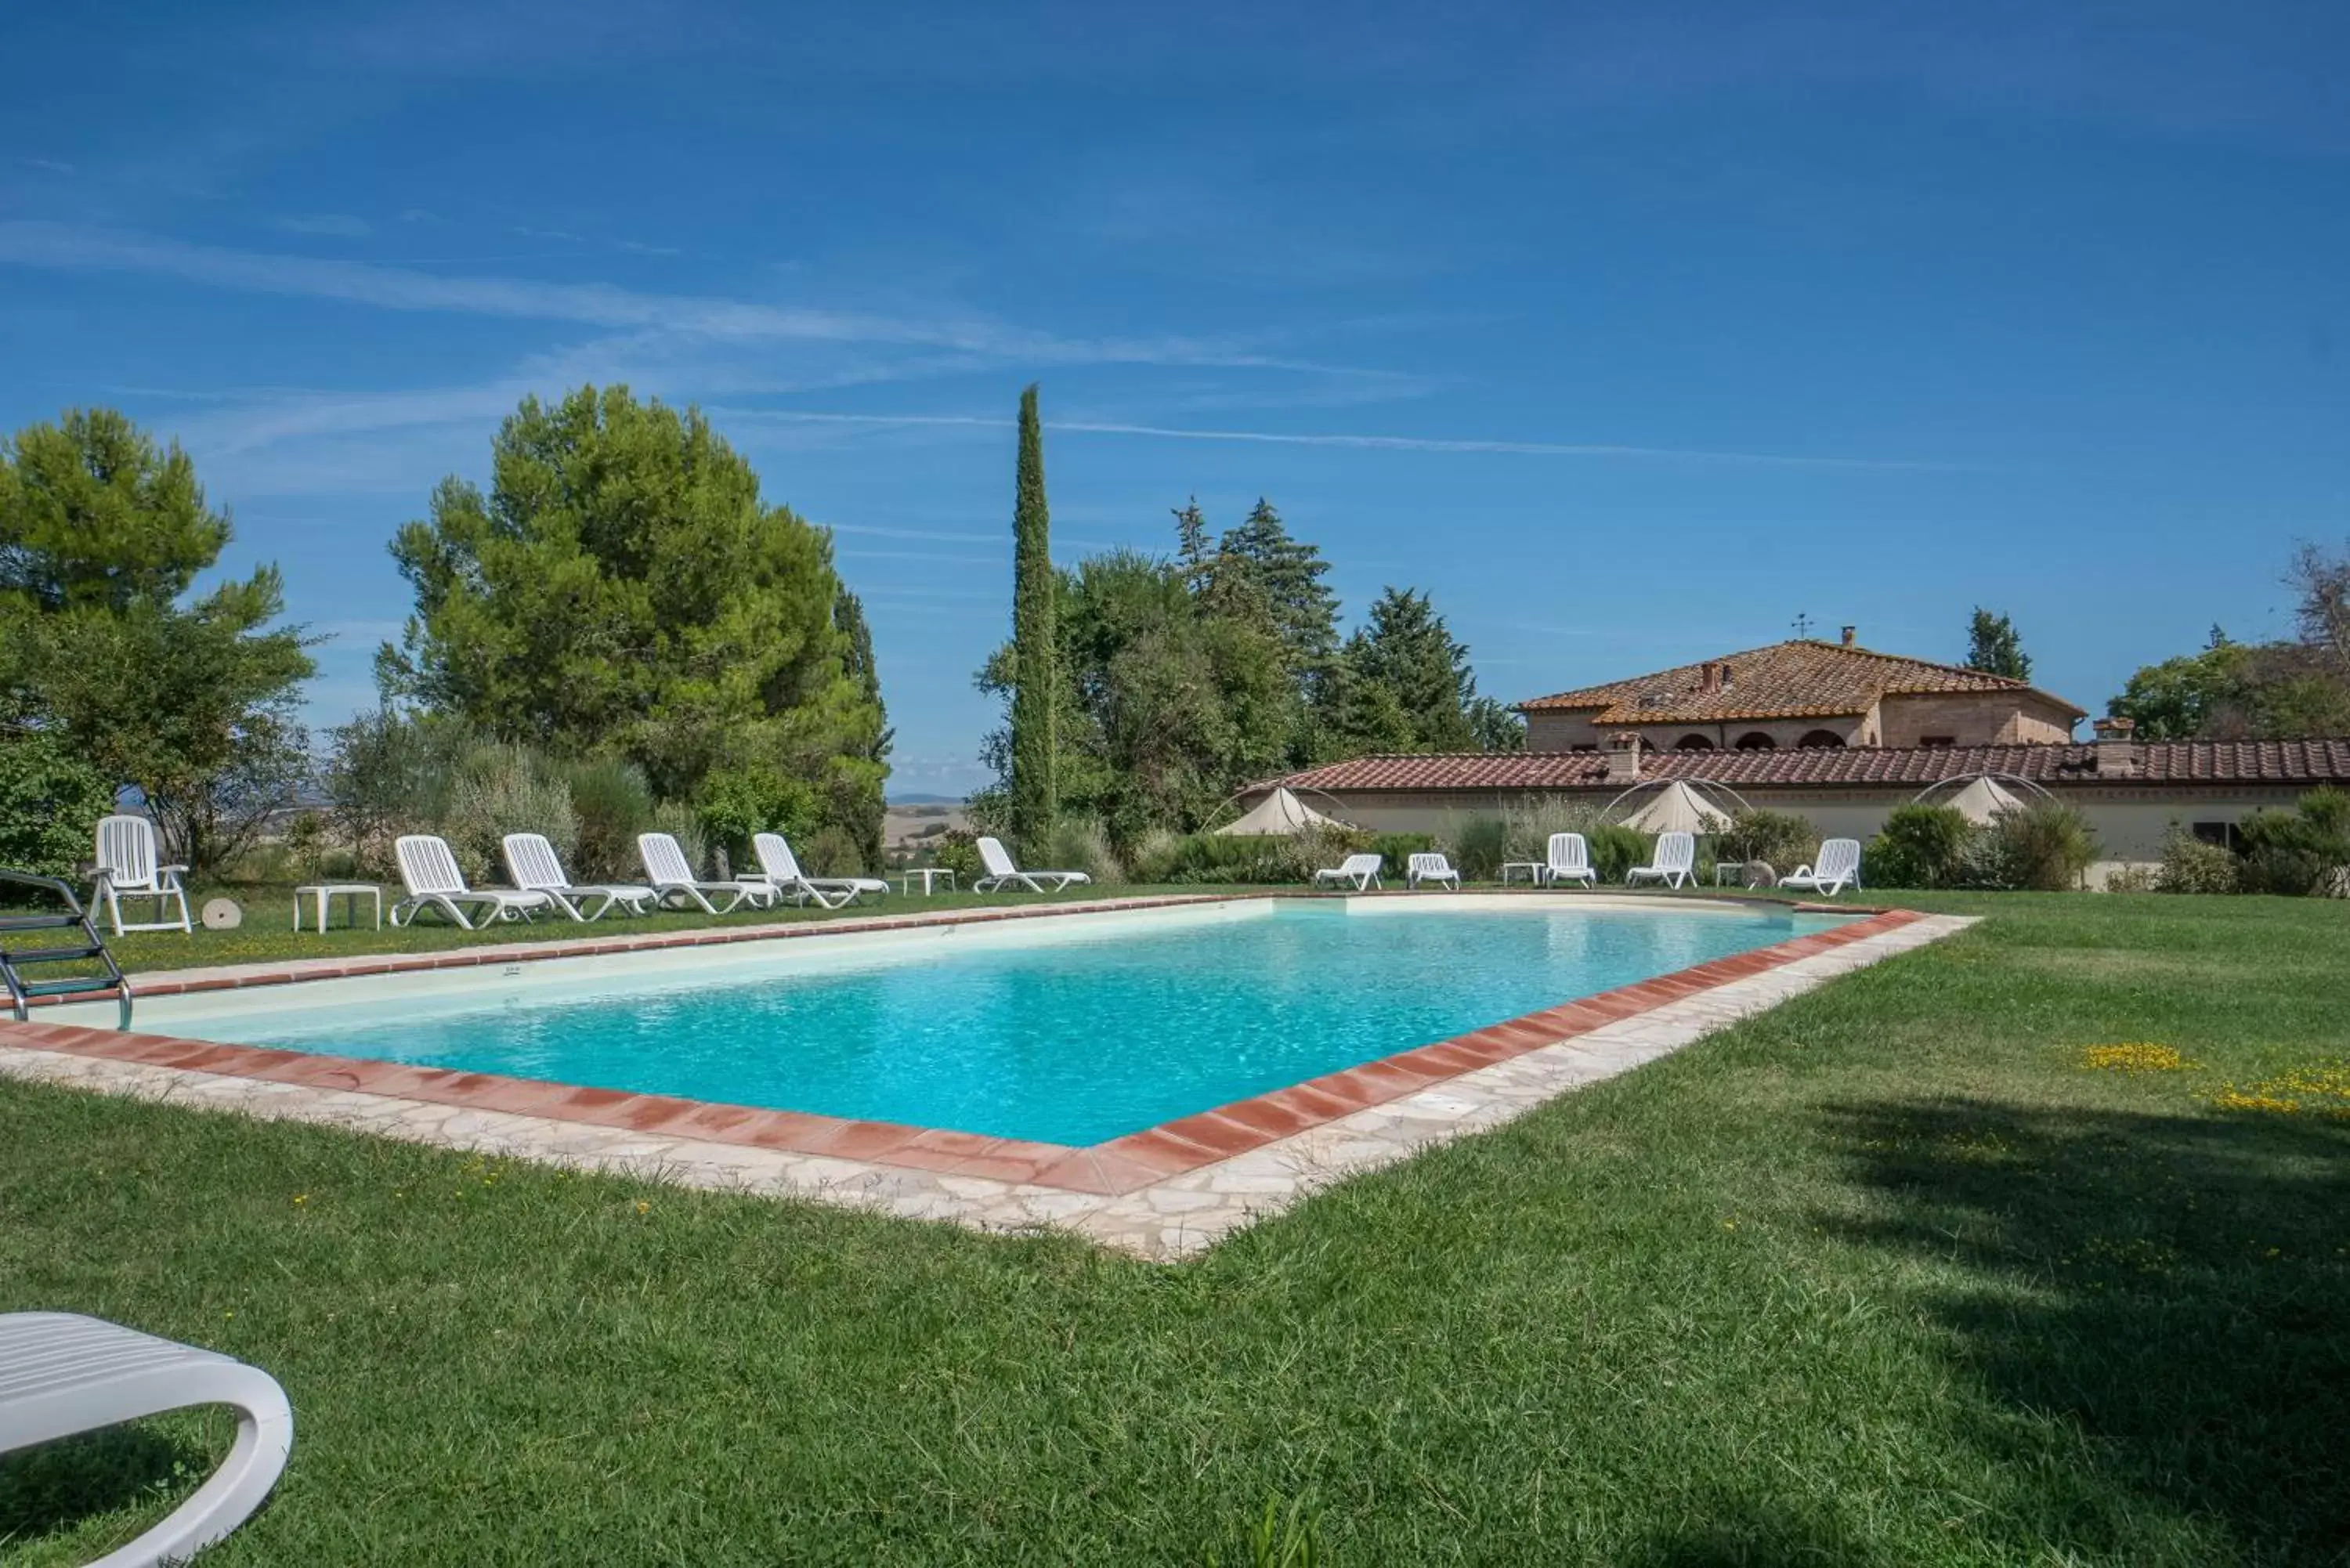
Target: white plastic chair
[[127, 868], [1360, 872], [62, 1374], [434, 882], [1674, 864], [781, 870], [1839, 868], [1430, 867], [535, 867], [1568, 860], [1003, 873], [672, 878]]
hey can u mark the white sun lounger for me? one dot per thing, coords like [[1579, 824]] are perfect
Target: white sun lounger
[[1360, 872], [127, 868], [430, 871], [781, 869], [1675, 863], [1568, 860], [1839, 868], [1003, 873], [1430, 867], [532, 862], [673, 879], [62, 1374]]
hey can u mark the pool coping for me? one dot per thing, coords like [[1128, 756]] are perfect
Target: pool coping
[[1117, 1167]]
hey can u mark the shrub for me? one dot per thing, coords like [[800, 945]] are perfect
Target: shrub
[[2045, 846], [957, 850], [737, 802], [1781, 839], [1919, 846], [500, 789], [682, 823], [2300, 851], [50, 801], [1616, 849], [2135, 880], [2191, 866], [386, 774], [1477, 846], [1082, 844], [833, 851], [1531, 825], [1395, 851], [612, 803]]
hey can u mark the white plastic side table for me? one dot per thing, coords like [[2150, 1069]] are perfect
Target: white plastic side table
[[928, 874], [325, 893]]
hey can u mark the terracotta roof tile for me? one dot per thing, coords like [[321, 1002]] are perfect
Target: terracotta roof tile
[[2300, 762], [1797, 680]]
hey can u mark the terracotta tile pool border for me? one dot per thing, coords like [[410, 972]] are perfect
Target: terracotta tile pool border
[[1116, 1167]]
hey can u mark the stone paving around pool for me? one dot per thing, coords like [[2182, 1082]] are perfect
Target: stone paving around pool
[[1164, 1193]]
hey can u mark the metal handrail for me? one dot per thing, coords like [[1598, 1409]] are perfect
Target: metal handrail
[[20, 995]]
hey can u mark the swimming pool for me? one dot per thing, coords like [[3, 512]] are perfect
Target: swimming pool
[[1070, 1030]]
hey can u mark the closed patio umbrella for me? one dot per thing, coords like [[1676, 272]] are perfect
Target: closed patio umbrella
[[1983, 800], [1677, 808], [1278, 812]]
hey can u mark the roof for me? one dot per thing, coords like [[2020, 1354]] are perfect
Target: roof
[[1802, 678], [2303, 762]]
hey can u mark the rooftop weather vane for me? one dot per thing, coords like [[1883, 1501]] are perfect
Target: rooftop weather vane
[[1803, 624]]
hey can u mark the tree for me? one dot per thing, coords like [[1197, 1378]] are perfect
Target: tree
[[1496, 725], [1034, 802], [623, 590], [2231, 692], [1286, 574], [2180, 699], [1404, 650], [864, 805], [2322, 616], [1993, 647], [102, 536]]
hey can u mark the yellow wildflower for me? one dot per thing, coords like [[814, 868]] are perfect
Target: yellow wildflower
[[2135, 1058]]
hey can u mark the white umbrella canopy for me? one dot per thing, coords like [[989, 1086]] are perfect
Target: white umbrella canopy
[[1677, 808], [1278, 812], [1983, 800]]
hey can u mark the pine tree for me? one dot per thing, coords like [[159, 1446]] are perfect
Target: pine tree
[[1191, 545], [1288, 573], [1993, 647], [1034, 801]]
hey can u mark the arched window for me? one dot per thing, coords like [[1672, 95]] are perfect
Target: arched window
[[1693, 743], [1756, 740], [1822, 738]]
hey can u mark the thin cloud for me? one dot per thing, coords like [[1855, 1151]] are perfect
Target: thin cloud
[[331, 226], [49, 165], [1359, 443], [66, 247], [879, 533]]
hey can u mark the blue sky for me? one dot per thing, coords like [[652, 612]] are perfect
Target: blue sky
[[1630, 332]]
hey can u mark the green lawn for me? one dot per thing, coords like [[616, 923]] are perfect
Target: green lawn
[[1889, 1275]]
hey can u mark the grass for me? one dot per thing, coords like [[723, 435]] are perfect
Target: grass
[[1889, 1275]]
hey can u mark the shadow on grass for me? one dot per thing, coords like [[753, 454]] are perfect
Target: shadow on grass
[[57, 1486], [2163, 1301]]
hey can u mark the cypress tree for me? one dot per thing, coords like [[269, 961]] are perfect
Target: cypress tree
[[1034, 796]]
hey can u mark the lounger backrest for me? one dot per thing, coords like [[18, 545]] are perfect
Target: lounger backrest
[[532, 862], [1429, 863], [776, 857], [664, 859], [126, 851], [1362, 865], [1675, 852], [1839, 859], [427, 866], [1568, 852], [993, 856]]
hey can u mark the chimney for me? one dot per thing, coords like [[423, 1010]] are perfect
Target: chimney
[[1624, 758], [1850, 632], [1709, 678], [2117, 749]]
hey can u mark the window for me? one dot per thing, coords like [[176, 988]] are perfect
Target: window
[[1943, 742], [2220, 833], [1756, 740], [1821, 738], [1693, 743]]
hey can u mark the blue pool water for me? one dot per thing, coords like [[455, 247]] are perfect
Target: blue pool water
[[1070, 1041]]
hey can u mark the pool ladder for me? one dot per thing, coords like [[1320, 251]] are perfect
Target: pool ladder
[[21, 991]]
